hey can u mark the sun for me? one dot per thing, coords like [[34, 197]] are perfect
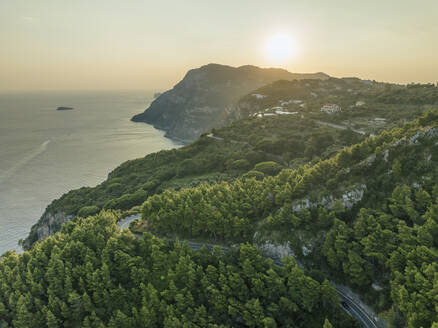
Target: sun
[[280, 48]]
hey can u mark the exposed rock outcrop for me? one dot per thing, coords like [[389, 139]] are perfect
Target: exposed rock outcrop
[[275, 250], [46, 226], [348, 199], [205, 98]]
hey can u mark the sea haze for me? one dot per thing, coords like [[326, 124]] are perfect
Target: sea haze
[[45, 153]]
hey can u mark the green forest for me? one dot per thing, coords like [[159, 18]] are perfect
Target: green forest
[[353, 207], [388, 237], [92, 275], [272, 143], [250, 146]]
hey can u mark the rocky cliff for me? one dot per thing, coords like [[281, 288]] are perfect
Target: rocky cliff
[[205, 98], [46, 226]]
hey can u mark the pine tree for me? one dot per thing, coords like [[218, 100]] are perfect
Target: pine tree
[[327, 324], [52, 321]]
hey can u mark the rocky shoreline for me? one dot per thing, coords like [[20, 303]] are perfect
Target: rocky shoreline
[[205, 98]]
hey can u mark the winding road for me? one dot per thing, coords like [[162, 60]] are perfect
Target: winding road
[[355, 310], [347, 303], [340, 127]]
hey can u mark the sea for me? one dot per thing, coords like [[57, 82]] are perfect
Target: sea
[[45, 152]]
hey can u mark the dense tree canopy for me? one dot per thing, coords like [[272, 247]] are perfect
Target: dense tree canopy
[[370, 212], [208, 161], [91, 275]]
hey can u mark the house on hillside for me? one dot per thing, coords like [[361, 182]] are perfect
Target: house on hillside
[[360, 103], [330, 108], [280, 112], [258, 96]]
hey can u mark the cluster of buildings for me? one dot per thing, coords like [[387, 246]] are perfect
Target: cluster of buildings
[[327, 108], [333, 108], [330, 108], [274, 112]]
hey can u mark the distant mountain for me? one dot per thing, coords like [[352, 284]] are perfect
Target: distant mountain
[[204, 98]]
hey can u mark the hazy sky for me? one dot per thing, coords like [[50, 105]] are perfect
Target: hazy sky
[[130, 44]]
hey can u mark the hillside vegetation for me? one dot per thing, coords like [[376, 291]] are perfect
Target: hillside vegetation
[[260, 147], [366, 217], [361, 101], [91, 275], [352, 196]]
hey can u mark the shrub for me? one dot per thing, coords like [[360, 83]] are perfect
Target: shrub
[[254, 174], [269, 167], [150, 185], [88, 211], [127, 201], [115, 189], [240, 164], [255, 157]]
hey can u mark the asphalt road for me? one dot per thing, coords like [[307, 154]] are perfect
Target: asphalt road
[[125, 222], [355, 310], [347, 304]]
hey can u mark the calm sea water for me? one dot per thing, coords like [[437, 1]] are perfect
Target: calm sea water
[[45, 153]]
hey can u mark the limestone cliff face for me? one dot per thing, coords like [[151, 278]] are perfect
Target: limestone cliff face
[[46, 226], [206, 96]]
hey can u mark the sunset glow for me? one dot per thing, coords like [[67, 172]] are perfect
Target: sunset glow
[[280, 48]]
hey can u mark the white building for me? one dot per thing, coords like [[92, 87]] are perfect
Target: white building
[[277, 112], [330, 108], [280, 112], [258, 95], [360, 103]]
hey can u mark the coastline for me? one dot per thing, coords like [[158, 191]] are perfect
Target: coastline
[[81, 152], [179, 141]]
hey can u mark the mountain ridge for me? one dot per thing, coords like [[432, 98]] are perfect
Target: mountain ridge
[[205, 97]]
